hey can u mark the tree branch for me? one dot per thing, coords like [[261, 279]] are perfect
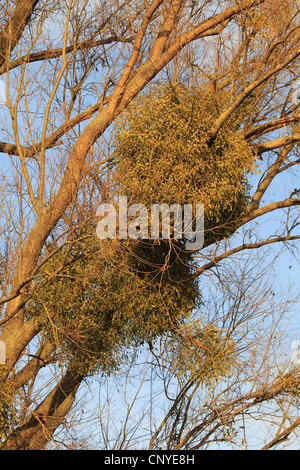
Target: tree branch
[[283, 436], [31, 435], [12, 32], [55, 53], [247, 91]]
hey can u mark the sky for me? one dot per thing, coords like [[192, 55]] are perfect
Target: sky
[[287, 265]]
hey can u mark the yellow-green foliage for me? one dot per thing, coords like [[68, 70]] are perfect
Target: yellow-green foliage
[[163, 153], [200, 352], [101, 297], [97, 301]]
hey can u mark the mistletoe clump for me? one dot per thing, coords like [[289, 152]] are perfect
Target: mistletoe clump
[[164, 154]]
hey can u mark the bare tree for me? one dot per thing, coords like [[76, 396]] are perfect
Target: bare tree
[[70, 69]]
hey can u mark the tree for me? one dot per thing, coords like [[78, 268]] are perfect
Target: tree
[[72, 68]]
